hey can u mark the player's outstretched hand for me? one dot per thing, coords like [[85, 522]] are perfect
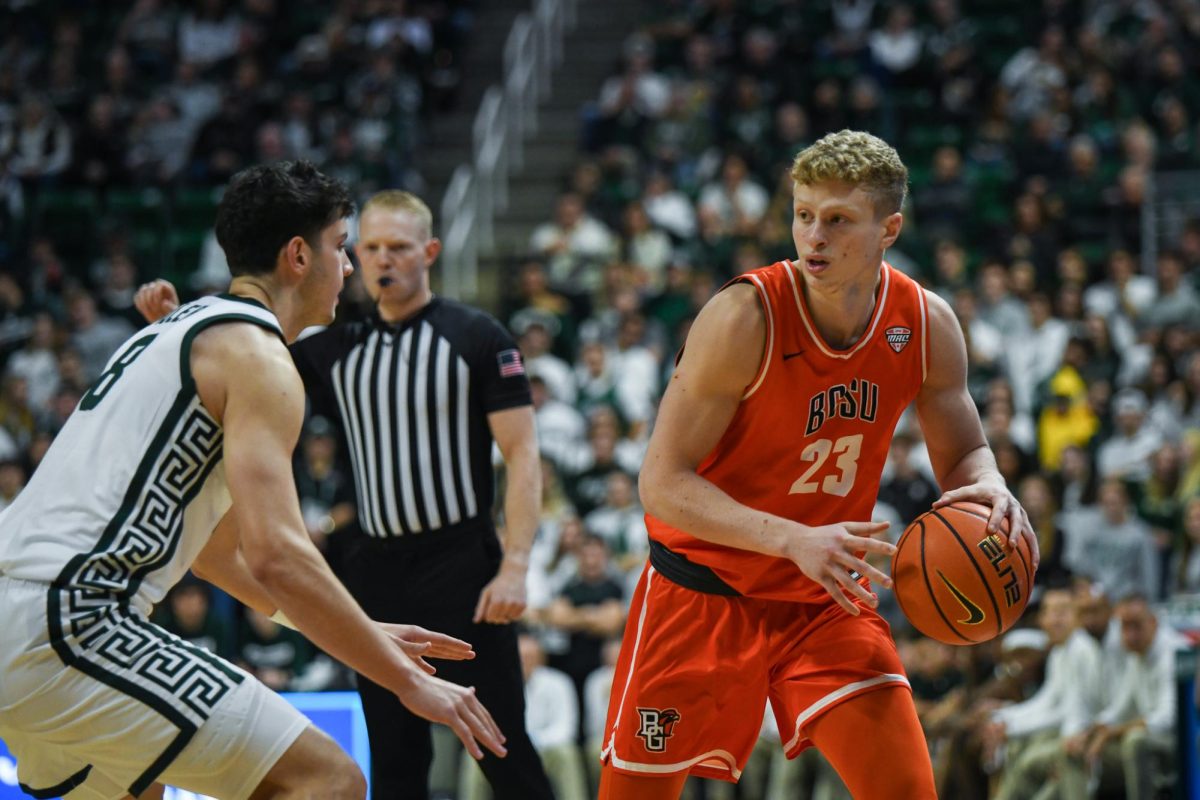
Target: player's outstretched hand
[[1003, 504], [420, 643], [457, 708], [829, 554], [156, 299]]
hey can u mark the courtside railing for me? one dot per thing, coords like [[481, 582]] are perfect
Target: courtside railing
[[507, 115]]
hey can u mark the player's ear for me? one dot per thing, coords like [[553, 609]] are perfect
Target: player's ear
[[432, 249], [892, 225], [297, 254]]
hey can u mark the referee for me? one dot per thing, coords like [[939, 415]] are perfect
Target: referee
[[422, 388]]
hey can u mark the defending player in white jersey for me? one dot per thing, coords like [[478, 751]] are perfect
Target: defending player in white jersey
[[180, 456]]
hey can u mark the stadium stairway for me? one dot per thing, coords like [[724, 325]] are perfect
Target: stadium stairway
[[591, 52]]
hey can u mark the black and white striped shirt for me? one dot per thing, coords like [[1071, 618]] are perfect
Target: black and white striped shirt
[[413, 399]]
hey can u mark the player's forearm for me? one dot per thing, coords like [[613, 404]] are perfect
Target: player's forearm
[[234, 577], [686, 501], [976, 466], [303, 588], [522, 503]]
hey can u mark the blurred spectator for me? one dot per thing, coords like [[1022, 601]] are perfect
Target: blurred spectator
[[1034, 73], [1033, 357], [1184, 571], [896, 47], [189, 614], [560, 427], [1124, 291], [1112, 546], [647, 248], [16, 415], [1177, 302], [574, 245], [36, 143], [667, 207], [535, 331], [904, 487], [943, 206], [324, 486], [12, 481], [736, 200], [209, 34], [1071, 694], [99, 152], [1131, 744], [636, 96], [276, 655], [590, 608], [1037, 498], [985, 344], [159, 142], [1126, 454], [36, 361], [225, 143], [1066, 419], [93, 335], [621, 522]]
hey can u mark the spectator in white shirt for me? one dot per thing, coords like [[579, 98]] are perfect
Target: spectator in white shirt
[[561, 429], [535, 332], [1132, 741], [1126, 454], [1035, 355], [738, 201], [667, 207], [1067, 702], [575, 245]]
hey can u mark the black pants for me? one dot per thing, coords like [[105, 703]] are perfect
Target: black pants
[[436, 583]]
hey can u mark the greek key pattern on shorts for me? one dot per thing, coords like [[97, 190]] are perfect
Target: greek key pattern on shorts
[[96, 622]]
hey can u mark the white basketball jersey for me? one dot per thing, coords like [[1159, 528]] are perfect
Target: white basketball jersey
[[133, 485]]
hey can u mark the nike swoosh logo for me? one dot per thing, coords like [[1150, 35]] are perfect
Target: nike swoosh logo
[[786, 356], [975, 614]]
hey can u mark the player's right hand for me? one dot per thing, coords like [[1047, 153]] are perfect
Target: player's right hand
[[156, 299], [457, 708], [829, 553]]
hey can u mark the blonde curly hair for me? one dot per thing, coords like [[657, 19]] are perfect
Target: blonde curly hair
[[858, 158]]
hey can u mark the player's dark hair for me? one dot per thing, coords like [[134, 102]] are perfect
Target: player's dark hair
[[265, 206]]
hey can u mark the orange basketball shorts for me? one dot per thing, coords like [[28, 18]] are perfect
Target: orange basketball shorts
[[696, 670]]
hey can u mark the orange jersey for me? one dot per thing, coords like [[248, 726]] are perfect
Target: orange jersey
[[809, 440]]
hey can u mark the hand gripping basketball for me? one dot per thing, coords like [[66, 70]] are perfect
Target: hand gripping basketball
[[956, 580]]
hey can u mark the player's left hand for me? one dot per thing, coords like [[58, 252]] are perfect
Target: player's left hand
[[503, 600], [1004, 505], [419, 643]]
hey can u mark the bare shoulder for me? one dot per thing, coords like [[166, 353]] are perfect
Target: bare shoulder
[[941, 317], [725, 345], [244, 359], [734, 310], [947, 348]]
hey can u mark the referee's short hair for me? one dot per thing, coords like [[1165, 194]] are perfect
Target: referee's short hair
[[397, 200]]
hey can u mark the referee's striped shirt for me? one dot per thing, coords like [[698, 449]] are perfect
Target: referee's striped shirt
[[412, 400]]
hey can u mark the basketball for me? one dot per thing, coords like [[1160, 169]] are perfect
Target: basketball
[[956, 582]]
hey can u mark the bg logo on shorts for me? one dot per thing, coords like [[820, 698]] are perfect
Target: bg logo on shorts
[[657, 727]]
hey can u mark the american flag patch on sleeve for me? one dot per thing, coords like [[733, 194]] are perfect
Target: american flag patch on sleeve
[[510, 363]]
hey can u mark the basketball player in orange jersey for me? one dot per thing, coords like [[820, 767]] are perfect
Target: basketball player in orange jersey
[[759, 484]]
